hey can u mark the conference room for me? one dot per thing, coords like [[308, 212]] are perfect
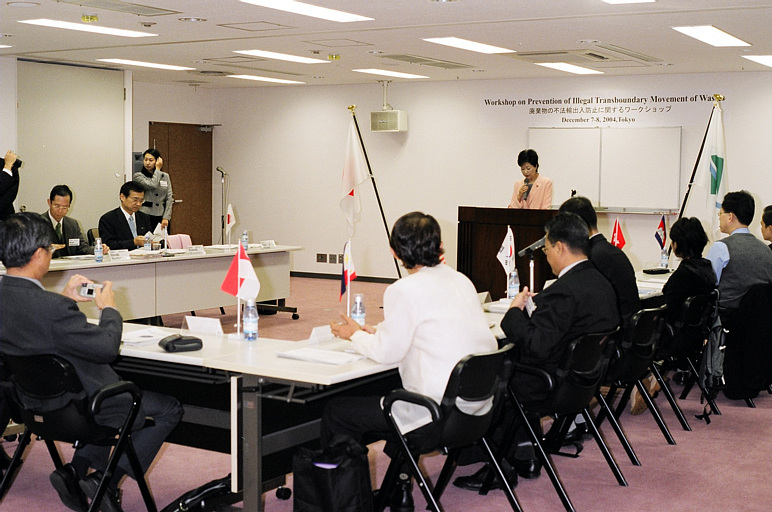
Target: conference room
[[75, 119]]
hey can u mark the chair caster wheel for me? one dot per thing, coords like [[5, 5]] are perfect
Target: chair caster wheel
[[283, 493], [295, 316]]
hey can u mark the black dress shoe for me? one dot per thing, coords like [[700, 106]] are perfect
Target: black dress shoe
[[402, 497], [475, 481], [529, 468], [111, 502], [66, 482]]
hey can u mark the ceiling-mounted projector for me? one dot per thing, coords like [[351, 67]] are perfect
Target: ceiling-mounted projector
[[388, 119]]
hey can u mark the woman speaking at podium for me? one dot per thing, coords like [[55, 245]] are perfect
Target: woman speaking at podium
[[534, 191]]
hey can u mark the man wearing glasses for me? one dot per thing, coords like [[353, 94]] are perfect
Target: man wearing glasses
[[67, 233], [124, 227]]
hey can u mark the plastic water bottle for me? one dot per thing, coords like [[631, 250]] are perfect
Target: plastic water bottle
[[663, 259], [358, 309], [513, 284], [245, 241], [98, 250], [148, 244], [250, 321]]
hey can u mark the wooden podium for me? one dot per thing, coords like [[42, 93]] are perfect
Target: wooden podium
[[480, 233]]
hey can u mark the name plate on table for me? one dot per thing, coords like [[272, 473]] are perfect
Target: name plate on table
[[120, 255], [267, 244], [196, 249]]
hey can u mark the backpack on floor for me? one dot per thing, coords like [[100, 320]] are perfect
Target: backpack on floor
[[204, 498]]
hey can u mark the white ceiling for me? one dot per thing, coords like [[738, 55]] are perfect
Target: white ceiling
[[616, 39]]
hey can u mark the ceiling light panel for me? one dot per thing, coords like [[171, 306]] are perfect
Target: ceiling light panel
[[281, 56], [465, 44], [308, 10], [569, 68], [265, 79], [385, 72], [141, 64], [86, 28], [711, 35], [765, 60]]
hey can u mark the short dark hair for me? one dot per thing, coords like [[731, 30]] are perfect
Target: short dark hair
[[61, 190], [570, 229], [416, 240], [766, 217], [152, 151], [689, 236], [131, 186], [581, 206], [741, 204], [21, 234], [528, 156]]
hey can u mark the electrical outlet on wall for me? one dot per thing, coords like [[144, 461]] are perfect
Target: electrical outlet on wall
[[321, 258], [332, 258]]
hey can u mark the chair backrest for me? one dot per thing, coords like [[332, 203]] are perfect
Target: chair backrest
[[580, 373], [92, 235], [692, 326], [54, 406], [477, 380], [179, 241], [639, 344]]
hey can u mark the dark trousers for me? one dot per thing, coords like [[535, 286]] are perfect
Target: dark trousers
[[166, 413]]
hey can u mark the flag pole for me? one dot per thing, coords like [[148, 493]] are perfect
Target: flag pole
[[352, 109], [348, 280]]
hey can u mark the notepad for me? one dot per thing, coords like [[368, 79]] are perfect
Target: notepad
[[142, 337], [318, 355]]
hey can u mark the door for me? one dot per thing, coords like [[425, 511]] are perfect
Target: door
[[187, 154]]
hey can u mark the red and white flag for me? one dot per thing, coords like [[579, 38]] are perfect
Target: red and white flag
[[241, 280], [230, 220], [348, 273], [354, 173], [617, 237], [506, 254]]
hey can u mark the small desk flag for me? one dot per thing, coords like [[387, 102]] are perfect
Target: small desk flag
[[661, 233], [617, 237], [348, 273], [230, 219], [506, 254], [241, 280]]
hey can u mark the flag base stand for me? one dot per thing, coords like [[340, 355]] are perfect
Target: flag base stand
[[656, 270]]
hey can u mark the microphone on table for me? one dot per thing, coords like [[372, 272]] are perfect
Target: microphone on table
[[221, 171], [538, 244]]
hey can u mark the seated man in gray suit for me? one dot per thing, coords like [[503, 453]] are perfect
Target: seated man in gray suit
[[67, 233], [35, 321]]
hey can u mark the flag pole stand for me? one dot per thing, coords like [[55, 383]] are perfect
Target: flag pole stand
[[237, 335], [352, 109]]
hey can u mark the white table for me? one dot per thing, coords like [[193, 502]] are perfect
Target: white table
[[254, 370], [160, 286]]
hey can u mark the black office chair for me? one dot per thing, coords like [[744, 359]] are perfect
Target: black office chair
[[65, 413], [92, 235], [476, 378], [570, 392], [631, 364]]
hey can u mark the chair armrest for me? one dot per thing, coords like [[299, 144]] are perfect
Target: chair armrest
[[116, 388], [536, 372], [401, 395]]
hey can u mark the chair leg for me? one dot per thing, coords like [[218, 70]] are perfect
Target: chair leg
[[423, 484], [749, 402], [623, 402], [495, 465], [705, 393], [617, 429], [670, 398], [447, 471], [54, 453], [140, 476], [654, 411], [16, 462], [603, 448], [548, 467], [387, 484]]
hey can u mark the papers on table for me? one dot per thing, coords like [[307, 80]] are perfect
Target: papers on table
[[500, 306], [318, 355], [143, 337], [83, 257]]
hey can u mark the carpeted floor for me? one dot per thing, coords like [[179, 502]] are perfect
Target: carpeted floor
[[716, 467]]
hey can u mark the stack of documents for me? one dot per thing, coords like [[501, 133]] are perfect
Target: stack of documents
[[318, 355]]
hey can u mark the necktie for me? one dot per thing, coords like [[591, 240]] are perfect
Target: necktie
[[133, 227], [58, 230]]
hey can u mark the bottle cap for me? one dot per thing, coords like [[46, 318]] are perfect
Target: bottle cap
[[250, 303]]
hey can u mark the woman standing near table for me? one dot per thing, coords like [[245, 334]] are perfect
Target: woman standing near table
[[158, 189], [534, 191]]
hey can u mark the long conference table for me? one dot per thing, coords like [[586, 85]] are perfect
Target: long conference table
[[242, 398], [150, 287]]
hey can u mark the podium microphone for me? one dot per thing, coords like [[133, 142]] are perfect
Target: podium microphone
[[538, 244], [221, 171]]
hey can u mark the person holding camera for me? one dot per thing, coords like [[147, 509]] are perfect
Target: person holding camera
[[9, 184]]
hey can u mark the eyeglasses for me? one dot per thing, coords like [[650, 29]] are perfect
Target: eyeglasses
[[60, 207]]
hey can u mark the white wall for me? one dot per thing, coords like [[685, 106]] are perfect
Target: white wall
[[284, 147], [8, 136]]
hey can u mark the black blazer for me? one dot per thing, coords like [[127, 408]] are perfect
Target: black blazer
[[614, 265], [115, 231], [9, 187], [70, 230], [580, 302]]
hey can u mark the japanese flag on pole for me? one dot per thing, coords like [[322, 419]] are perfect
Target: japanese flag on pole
[[241, 280], [230, 219], [506, 254], [348, 273], [354, 173], [661, 233], [617, 237]]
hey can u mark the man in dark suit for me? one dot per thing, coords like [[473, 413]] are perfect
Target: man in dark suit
[[766, 224], [66, 231], [580, 302], [9, 185], [36, 321], [115, 226], [609, 260]]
